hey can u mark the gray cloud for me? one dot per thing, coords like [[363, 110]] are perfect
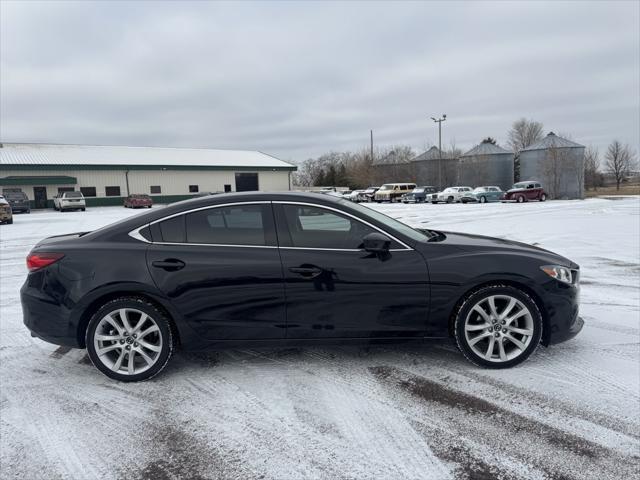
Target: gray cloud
[[299, 79]]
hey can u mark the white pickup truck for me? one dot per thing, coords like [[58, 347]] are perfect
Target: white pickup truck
[[69, 201]]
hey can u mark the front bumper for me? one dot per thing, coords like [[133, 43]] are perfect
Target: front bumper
[[562, 312]]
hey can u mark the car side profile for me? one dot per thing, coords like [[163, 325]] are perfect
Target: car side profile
[[6, 214], [450, 195], [525, 192], [483, 195], [392, 192], [67, 201], [256, 269], [418, 194], [18, 200]]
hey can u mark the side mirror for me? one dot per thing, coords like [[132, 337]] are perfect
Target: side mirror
[[376, 243]]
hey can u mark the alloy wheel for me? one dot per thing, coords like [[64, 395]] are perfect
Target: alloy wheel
[[128, 341], [499, 328]]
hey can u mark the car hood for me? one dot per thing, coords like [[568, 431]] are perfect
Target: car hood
[[469, 242]]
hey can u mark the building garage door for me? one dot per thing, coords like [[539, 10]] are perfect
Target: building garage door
[[246, 182]]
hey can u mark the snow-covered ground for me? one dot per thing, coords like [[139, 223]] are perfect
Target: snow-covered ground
[[571, 411]]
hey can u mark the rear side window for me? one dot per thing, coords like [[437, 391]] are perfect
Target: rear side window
[[234, 225], [172, 230]]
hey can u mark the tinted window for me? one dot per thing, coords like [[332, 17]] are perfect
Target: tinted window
[[314, 227], [236, 225], [65, 189], [88, 191], [73, 195], [172, 230]]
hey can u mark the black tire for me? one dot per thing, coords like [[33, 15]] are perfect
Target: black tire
[[84, 209], [159, 317], [483, 199], [472, 300], [543, 197], [10, 221], [435, 203], [521, 199], [450, 200]]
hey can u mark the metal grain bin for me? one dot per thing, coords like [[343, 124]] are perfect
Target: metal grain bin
[[557, 163], [487, 164], [430, 169]]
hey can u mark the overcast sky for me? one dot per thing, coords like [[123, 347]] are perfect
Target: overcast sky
[[297, 79]]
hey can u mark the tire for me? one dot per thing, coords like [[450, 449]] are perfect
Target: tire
[[435, 203], [161, 339], [543, 197], [469, 322], [521, 199], [9, 222], [84, 209], [450, 200], [483, 199]]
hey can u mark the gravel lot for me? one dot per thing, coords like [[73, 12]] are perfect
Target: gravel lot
[[572, 411]]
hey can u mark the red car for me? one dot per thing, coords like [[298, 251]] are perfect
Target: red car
[[138, 200], [525, 192]]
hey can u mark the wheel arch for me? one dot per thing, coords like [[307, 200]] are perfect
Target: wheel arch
[[546, 331], [100, 299]]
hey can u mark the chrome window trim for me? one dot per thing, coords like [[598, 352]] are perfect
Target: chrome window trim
[[135, 233], [284, 202]]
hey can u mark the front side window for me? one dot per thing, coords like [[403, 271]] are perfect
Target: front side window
[[315, 227], [233, 225]]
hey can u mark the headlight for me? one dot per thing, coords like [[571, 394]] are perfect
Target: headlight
[[562, 274]]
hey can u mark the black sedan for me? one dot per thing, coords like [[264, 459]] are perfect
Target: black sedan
[[286, 268]]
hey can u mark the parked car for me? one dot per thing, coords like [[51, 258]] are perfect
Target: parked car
[[450, 195], [483, 195], [524, 192], [138, 200], [369, 194], [6, 215], [418, 194], [391, 192], [287, 268], [355, 195], [18, 200], [69, 201]]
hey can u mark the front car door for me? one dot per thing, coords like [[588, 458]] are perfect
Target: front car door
[[220, 268], [336, 289]]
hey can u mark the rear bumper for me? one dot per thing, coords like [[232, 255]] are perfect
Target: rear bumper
[[46, 317]]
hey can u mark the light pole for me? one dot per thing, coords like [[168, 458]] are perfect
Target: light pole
[[439, 122]]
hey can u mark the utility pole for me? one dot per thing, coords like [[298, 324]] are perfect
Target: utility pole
[[371, 131], [439, 122]]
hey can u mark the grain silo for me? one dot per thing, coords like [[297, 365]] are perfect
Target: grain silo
[[435, 168], [487, 164], [557, 163]]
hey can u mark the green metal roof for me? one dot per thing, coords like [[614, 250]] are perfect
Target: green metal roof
[[38, 180]]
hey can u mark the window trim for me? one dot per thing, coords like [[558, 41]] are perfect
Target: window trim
[[135, 233]]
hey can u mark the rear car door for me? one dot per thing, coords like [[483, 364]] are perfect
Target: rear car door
[[220, 268], [335, 289]]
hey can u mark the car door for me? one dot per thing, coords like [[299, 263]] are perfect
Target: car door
[[220, 268], [531, 192], [336, 289]]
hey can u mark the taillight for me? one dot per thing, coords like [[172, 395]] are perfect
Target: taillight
[[36, 261]]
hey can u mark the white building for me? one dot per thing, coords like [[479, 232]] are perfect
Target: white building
[[107, 174]]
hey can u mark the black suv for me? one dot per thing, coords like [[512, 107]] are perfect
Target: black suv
[[18, 200]]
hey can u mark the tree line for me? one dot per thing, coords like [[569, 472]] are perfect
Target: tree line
[[358, 169]]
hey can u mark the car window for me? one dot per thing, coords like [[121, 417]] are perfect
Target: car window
[[315, 227], [72, 195], [233, 225], [172, 230]]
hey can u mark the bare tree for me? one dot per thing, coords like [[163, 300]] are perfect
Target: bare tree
[[618, 161], [522, 134], [592, 175]]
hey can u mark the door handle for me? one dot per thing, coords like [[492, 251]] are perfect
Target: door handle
[[307, 272], [170, 264]]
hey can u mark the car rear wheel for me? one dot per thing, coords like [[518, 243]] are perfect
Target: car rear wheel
[[498, 326], [129, 339], [543, 197]]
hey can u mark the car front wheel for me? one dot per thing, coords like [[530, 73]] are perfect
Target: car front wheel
[[520, 199], [498, 326], [483, 199], [129, 339]]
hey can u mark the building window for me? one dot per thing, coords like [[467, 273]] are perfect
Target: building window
[[193, 189], [88, 191], [227, 188], [65, 189], [155, 189], [112, 191]]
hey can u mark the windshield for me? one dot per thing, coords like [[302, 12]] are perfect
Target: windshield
[[520, 185], [72, 194], [15, 195], [450, 190], [479, 190], [386, 187], [392, 223], [418, 190]]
